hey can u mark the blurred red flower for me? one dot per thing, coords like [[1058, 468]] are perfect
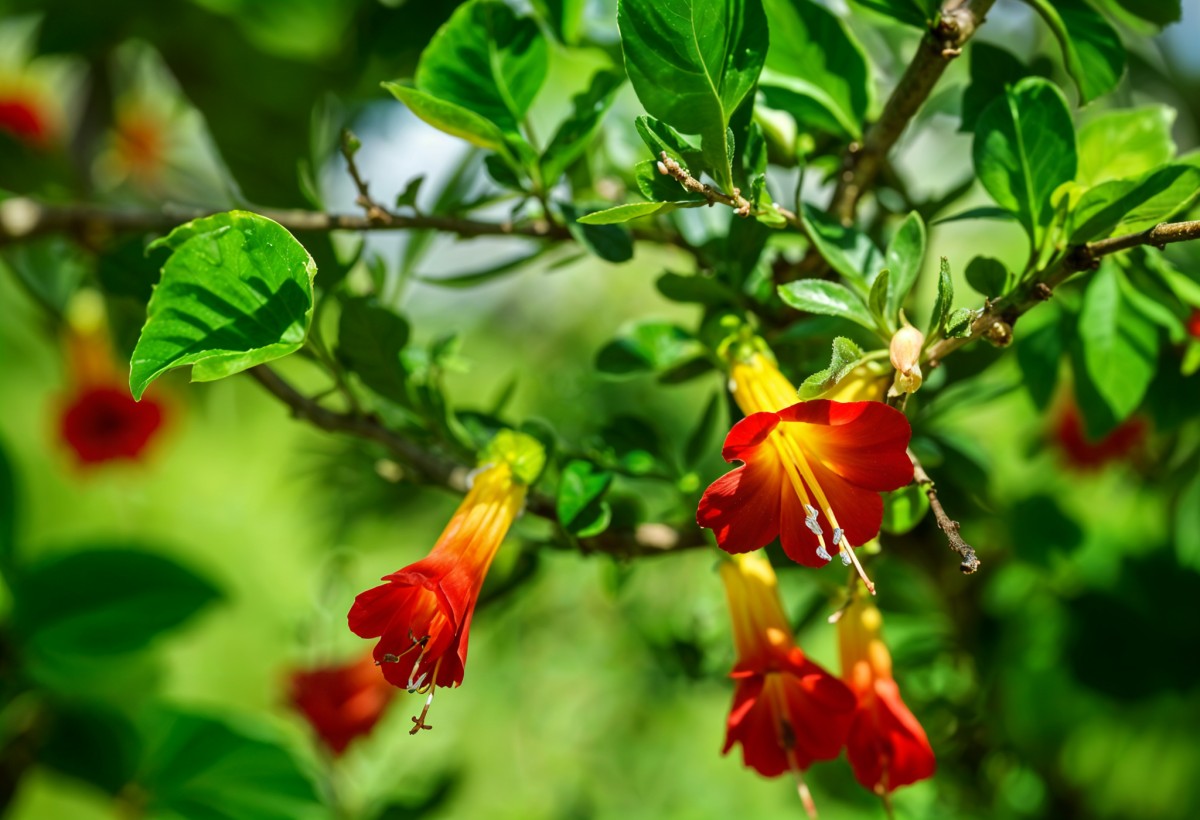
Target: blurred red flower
[[1193, 324], [103, 423], [341, 702], [787, 711], [21, 117], [811, 470], [887, 746], [1085, 453]]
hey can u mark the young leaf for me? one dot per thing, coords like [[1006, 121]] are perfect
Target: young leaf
[[813, 48], [945, 299], [579, 503], [827, 299], [103, 601], [848, 251], [1119, 345], [370, 338], [603, 237], [486, 60], [236, 291], [1125, 143], [1092, 49], [624, 213], [877, 301], [958, 323], [450, 118], [1024, 149], [846, 355], [988, 276], [692, 63], [576, 132], [904, 256], [660, 137]]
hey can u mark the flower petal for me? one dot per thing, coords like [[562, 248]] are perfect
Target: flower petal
[[753, 724], [748, 435], [742, 506], [820, 709], [859, 511], [887, 746], [865, 442]]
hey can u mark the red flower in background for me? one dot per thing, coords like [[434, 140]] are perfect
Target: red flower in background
[[342, 702], [104, 423], [811, 470], [1193, 324], [422, 615], [1085, 453], [24, 119], [887, 746], [787, 711]]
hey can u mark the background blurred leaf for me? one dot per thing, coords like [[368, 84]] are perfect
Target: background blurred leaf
[[93, 743], [647, 346], [236, 292], [370, 338], [8, 513], [1125, 143], [455, 120], [1092, 49], [992, 69], [1187, 524], [575, 133], [104, 601], [903, 509], [580, 507], [914, 12]]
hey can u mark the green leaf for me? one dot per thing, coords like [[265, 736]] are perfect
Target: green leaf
[[450, 118], [1125, 143], [602, 237], [490, 273], [564, 17], [1024, 149], [699, 289], [575, 134], [103, 601], [845, 357], [8, 512], [699, 442], [905, 254], [848, 250], [1126, 206], [1092, 49], [487, 60], [1038, 356], [992, 70], [877, 300], [91, 742], [692, 63], [661, 188], [945, 300], [624, 213], [917, 13], [660, 137], [579, 503], [201, 767], [1119, 345], [647, 346], [903, 509], [1187, 524], [813, 55], [1159, 12], [237, 291], [370, 338], [408, 197], [989, 277], [958, 323], [827, 299]]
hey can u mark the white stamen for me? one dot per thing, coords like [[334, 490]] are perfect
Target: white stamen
[[823, 553], [845, 553], [837, 537], [415, 685], [814, 526], [810, 510]]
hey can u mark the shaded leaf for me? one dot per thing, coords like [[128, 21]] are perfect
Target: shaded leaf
[[579, 503], [848, 250], [450, 118], [992, 70], [989, 277], [1092, 49], [700, 441], [904, 256], [603, 237], [576, 132], [647, 346], [1125, 143], [370, 338]]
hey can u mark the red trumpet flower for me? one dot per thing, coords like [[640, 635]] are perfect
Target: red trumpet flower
[[341, 702]]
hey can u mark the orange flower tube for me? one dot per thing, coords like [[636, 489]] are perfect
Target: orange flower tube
[[887, 746], [422, 615]]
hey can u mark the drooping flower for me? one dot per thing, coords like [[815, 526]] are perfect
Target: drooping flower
[[100, 421], [887, 746], [787, 711], [1085, 453], [340, 702], [810, 470], [422, 615]]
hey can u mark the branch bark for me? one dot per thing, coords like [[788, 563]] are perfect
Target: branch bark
[[645, 539], [996, 321], [861, 163], [970, 563]]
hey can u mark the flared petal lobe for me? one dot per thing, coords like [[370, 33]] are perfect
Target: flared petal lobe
[[340, 702], [742, 507]]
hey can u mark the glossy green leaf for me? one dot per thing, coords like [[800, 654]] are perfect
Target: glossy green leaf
[[813, 55], [370, 338], [1024, 149], [903, 509], [647, 346], [878, 298], [1126, 206], [944, 301], [575, 134], [103, 601], [992, 69], [487, 60], [827, 299], [989, 277], [1125, 143], [1092, 49], [904, 256], [237, 291], [846, 355], [660, 137], [579, 503], [453, 119], [848, 250], [692, 63], [1119, 345], [603, 237], [624, 213], [197, 766]]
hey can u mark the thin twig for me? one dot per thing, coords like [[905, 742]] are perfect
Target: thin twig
[[970, 562], [997, 318], [376, 213], [741, 206], [645, 539]]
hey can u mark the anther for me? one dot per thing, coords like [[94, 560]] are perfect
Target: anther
[[837, 537], [845, 557], [823, 553], [388, 658]]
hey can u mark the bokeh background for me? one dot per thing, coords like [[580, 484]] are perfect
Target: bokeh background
[[1058, 682]]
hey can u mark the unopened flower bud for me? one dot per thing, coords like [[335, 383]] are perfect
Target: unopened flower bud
[[905, 353]]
